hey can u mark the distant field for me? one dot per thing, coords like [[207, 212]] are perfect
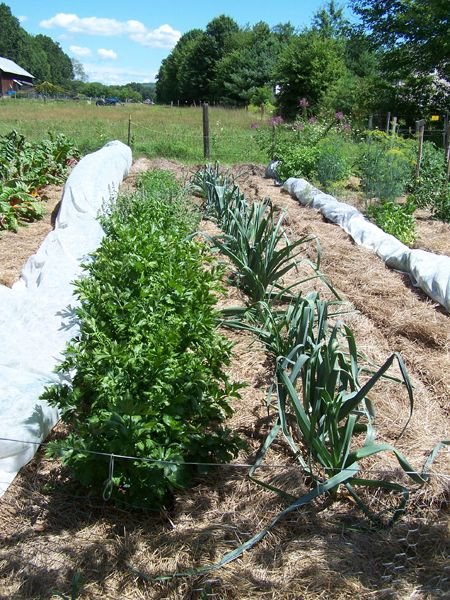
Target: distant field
[[155, 130]]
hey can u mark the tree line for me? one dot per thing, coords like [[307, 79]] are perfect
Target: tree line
[[53, 70], [396, 58], [38, 54]]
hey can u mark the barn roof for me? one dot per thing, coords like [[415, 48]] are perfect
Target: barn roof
[[9, 66]]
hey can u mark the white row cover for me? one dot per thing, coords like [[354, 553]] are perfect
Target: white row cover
[[430, 272], [35, 319]]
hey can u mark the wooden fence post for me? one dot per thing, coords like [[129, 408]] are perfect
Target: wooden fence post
[[388, 123], [206, 152], [447, 143], [420, 129], [370, 123], [129, 130]]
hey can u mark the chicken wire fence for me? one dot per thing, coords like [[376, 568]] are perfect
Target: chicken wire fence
[[58, 542]]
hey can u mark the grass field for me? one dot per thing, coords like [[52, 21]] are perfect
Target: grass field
[[156, 131]]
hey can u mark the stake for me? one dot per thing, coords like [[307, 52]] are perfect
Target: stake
[[420, 128], [129, 130], [206, 152], [388, 122]]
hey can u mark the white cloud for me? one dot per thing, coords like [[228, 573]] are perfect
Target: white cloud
[[22, 18], [161, 37], [107, 54], [111, 75], [88, 25], [80, 50]]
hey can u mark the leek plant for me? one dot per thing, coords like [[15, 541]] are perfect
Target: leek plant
[[323, 410], [259, 249]]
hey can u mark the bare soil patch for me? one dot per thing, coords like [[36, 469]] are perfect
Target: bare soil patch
[[16, 248], [50, 531]]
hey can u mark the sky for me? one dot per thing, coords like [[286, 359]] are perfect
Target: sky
[[118, 41]]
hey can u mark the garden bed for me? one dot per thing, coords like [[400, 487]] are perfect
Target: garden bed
[[51, 532]]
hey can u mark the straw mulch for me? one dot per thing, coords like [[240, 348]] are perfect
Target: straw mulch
[[51, 533]]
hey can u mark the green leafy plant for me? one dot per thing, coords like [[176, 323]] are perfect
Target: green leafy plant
[[385, 165], [396, 219], [149, 379], [432, 188], [308, 147], [298, 161], [24, 169], [335, 161]]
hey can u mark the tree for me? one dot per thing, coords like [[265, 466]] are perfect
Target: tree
[[249, 67], [78, 70], [12, 37], [39, 54], [170, 73], [307, 68], [61, 69], [329, 21], [413, 33], [412, 38], [189, 72]]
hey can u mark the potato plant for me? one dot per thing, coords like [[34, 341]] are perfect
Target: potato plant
[[149, 379]]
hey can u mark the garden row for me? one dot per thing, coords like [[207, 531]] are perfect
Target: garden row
[[328, 152], [25, 168], [147, 403]]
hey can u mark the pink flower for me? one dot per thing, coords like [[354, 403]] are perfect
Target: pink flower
[[339, 115], [275, 120], [312, 120]]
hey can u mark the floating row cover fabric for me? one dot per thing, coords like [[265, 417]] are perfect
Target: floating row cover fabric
[[430, 272], [36, 318]]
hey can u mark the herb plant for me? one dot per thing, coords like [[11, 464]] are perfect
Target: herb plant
[[149, 379]]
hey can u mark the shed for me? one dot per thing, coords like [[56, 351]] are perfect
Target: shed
[[12, 77]]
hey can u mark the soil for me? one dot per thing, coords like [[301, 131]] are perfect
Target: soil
[[51, 533], [16, 248]]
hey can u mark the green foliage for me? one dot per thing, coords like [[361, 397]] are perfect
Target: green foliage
[[148, 364], [335, 161], [441, 204], [224, 63], [308, 65], [39, 54], [322, 408], [406, 34], [310, 148], [396, 219], [432, 188], [298, 161], [24, 169], [385, 165], [413, 32]]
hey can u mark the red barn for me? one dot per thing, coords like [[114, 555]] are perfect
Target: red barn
[[12, 77]]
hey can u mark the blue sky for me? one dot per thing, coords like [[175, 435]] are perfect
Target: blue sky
[[119, 41]]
